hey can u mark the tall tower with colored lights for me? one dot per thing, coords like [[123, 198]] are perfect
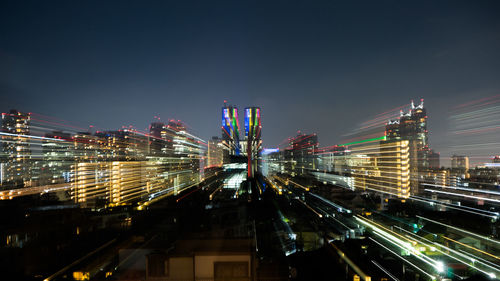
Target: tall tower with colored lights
[[230, 129], [253, 140]]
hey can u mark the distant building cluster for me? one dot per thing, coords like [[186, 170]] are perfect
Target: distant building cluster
[[398, 163], [98, 169]]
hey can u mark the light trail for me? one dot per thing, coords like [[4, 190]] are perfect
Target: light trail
[[385, 271], [461, 230], [61, 271], [215, 191], [364, 141], [472, 248], [463, 188], [296, 184], [479, 258], [430, 201], [471, 210], [405, 260], [338, 207], [490, 274], [438, 245], [387, 235], [356, 268], [310, 208], [28, 136], [463, 195]]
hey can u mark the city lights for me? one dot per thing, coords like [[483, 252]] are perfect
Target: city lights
[[250, 140]]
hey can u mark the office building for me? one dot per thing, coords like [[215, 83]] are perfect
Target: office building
[[16, 149]]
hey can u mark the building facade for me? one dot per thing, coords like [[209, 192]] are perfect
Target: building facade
[[215, 153], [253, 140], [382, 167], [16, 149], [231, 130]]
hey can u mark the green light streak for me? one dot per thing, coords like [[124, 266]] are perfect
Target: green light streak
[[362, 141]]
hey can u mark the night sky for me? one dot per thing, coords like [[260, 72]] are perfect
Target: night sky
[[321, 67]]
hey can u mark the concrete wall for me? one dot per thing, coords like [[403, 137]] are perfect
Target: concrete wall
[[180, 268], [204, 265]]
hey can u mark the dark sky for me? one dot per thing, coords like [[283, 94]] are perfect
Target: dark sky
[[317, 67]]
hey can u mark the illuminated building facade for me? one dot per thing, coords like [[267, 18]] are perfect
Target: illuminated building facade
[[496, 159], [126, 144], [460, 162], [253, 140], [88, 147], [162, 137], [98, 170], [412, 126], [437, 177], [299, 156], [230, 130], [215, 152], [123, 179], [16, 149], [392, 130], [57, 158], [333, 159], [158, 132], [382, 167]]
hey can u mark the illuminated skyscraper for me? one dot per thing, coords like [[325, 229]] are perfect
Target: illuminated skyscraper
[[412, 126], [230, 129], [392, 130], [16, 151], [253, 140]]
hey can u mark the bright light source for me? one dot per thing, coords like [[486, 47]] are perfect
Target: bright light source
[[439, 266]]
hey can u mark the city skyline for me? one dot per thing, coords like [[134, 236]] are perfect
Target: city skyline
[[166, 140], [165, 59], [378, 125]]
